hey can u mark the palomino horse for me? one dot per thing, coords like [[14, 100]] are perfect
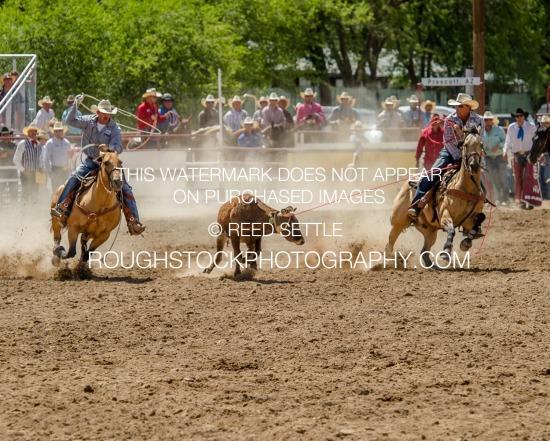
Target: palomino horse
[[95, 213], [458, 203], [541, 143]]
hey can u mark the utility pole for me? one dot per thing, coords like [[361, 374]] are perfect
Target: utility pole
[[479, 51]]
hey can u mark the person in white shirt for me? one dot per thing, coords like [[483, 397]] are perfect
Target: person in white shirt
[[518, 145], [45, 114], [56, 156]]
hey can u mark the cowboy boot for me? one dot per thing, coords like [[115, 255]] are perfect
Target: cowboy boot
[[414, 210], [134, 225], [62, 210]]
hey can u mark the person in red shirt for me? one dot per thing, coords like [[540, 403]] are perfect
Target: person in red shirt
[[431, 142], [147, 112]]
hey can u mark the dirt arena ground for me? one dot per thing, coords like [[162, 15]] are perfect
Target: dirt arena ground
[[295, 354]]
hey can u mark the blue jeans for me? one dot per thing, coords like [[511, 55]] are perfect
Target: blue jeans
[[544, 175], [427, 182], [82, 170]]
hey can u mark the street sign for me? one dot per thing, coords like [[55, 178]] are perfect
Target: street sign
[[453, 81]]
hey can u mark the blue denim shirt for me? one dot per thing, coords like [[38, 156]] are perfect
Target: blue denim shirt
[[111, 133]]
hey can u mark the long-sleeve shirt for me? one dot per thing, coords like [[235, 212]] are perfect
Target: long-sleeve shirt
[[208, 118], [516, 145], [56, 153], [233, 119], [344, 113], [109, 134], [304, 110], [496, 137], [431, 142], [43, 118], [450, 139], [72, 130], [271, 116], [145, 113], [28, 156]]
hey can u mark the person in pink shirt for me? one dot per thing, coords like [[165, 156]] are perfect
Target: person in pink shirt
[[310, 111]]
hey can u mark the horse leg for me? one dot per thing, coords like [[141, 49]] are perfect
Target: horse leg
[[430, 236], [73, 237], [57, 248], [95, 244], [474, 233], [84, 247], [399, 219], [220, 242], [448, 247]]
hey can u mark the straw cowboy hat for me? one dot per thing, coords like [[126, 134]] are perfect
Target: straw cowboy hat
[[46, 100], [263, 99], [308, 92], [30, 127], [286, 100], [235, 99], [105, 106], [519, 112], [489, 115], [427, 103], [151, 92], [544, 119], [345, 95], [43, 135], [464, 98], [413, 99], [58, 125], [70, 99], [390, 103], [209, 99]]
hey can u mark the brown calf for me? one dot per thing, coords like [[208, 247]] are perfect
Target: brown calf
[[245, 219]]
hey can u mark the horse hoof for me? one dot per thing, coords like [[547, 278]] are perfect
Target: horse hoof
[[56, 261], [446, 256], [58, 251], [466, 244], [207, 271]]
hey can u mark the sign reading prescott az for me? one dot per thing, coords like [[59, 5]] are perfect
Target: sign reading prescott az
[[456, 81]]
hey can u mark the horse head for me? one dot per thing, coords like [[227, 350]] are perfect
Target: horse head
[[541, 143], [472, 149], [111, 164]]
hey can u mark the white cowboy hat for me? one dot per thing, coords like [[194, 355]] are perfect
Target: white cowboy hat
[[427, 103], [151, 92], [284, 98], [105, 106], [248, 120], [489, 115], [30, 127], [209, 99], [344, 96], [273, 96], [263, 99], [464, 98], [390, 102], [308, 92], [58, 125], [236, 99], [413, 99], [46, 100], [545, 119]]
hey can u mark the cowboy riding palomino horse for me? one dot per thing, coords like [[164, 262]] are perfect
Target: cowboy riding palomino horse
[[96, 210], [457, 202]]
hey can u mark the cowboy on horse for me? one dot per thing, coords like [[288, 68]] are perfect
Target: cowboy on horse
[[104, 133], [451, 153]]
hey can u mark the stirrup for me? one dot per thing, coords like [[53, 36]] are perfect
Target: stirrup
[[135, 228]]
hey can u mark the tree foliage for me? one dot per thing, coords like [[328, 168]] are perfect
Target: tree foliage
[[119, 48]]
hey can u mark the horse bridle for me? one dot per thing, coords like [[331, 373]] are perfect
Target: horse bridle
[[465, 159]]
